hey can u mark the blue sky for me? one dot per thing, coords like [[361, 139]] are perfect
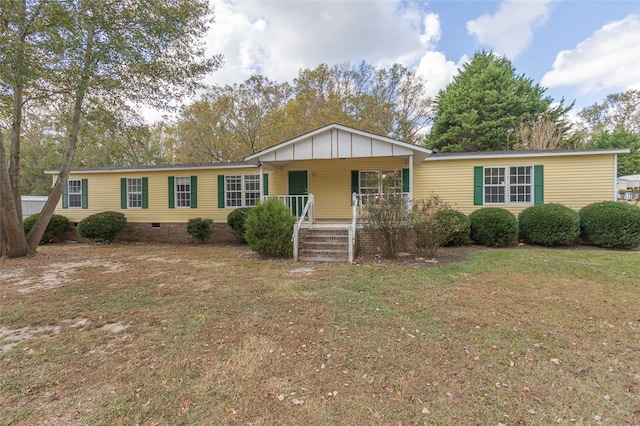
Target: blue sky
[[580, 50]]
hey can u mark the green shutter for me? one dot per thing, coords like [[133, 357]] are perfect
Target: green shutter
[[85, 194], [538, 184], [145, 193], [355, 181], [405, 180], [221, 191], [194, 192], [123, 193], [265, 180], [478, 177], [65, 195], [172, 193]]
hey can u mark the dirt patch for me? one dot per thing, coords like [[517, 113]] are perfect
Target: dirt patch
[[55, 275], [444, 256]]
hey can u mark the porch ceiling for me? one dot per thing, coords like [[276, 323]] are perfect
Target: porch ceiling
[[336, 142]]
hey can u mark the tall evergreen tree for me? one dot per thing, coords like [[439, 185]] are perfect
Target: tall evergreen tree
[[484, 105]]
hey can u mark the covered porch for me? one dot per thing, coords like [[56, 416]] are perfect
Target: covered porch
[[326, 176]]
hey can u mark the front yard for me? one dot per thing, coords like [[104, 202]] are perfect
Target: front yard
[[167, 335]]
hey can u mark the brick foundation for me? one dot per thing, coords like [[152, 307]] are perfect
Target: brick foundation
[[174, 233], [365, 245]]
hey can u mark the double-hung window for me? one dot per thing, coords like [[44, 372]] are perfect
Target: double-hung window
[[183, 191], [74, 193], [520, 184], [134, 193], [242, 190], [508, 184], [494, 185]]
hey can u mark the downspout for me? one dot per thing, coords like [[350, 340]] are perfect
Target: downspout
[[615, 177]]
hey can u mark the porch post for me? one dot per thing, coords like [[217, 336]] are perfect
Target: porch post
[[410, 180], [261, 169]]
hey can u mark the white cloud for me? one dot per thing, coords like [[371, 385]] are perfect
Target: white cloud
[[278, 38], [438, 71], [432, 32], [608, 60], [510, 30]]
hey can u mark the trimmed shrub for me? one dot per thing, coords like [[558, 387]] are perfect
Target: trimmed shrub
[[493, 227], [200, 229], [56, 227], [459, 230], [269, 228], [102, 227], [549, 225], [237, 220], [610, 224]]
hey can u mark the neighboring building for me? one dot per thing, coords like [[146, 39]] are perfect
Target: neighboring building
[[326, 167], [32, 204]]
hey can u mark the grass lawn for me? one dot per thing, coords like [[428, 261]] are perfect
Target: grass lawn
[[169, 335]]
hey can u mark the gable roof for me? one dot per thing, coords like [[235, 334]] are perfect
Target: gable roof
[[336, 141]]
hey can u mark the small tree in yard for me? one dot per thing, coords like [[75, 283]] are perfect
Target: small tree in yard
[[387, 221], [269, 228], [433, 225]]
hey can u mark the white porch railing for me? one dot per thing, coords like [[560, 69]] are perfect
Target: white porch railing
[[359, 201], [302, 206], [297, 204]]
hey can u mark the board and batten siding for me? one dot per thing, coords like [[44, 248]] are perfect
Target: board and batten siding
[[571, 180], [330, 181], [104, 194]]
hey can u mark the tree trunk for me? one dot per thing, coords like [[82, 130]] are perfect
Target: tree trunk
[[40, 226], [14, 243]]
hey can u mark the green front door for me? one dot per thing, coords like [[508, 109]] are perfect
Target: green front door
[[298, 185]]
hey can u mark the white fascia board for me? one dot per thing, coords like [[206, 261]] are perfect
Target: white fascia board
[[524, 154]]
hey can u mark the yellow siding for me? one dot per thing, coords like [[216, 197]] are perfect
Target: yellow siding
[[330, 182], [572, 180], [104, 195]]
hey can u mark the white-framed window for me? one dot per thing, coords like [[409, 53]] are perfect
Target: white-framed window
[[242, 190], [74, 193], [520, 184], [134, 193], [513, 183], [183, 191], [495, 185], [380, 181]]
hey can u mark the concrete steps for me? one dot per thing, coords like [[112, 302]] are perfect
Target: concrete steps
[[324, 245]]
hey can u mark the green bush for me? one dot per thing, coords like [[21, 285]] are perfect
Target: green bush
[[549, 225], [610, 224], [200, 229], [459, 230], [102, 227], [236, 221], [493, 227], [269, 228], [56, 227]]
